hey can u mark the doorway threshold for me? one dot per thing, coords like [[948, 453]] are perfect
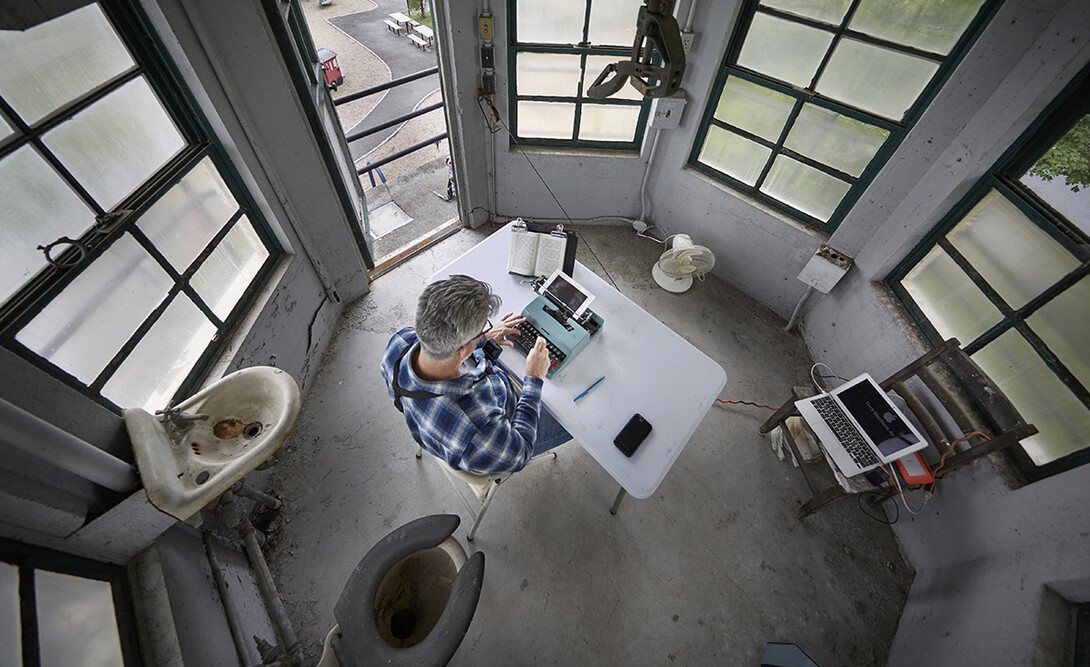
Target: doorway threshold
[[410, 250]]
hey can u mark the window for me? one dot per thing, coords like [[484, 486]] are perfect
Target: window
[[558, 48], [128, 249], [813, 97], [1008, 274], [57, 609]]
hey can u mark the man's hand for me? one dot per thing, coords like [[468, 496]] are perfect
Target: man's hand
[[504, 328], [538, 362]]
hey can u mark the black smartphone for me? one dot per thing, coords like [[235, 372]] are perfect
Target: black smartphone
[[633, 433]]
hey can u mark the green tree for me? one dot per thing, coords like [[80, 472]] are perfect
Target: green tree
[[1070, 158]]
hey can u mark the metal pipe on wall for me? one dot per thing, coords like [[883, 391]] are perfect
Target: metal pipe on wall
[[647, 175], [39, 438], [689, 21], [247, 654]]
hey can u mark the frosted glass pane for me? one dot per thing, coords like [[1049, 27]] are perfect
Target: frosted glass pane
[[88, 322], [1062, 324], [230, 269], [1061, 419], [546, 120], [829, 11], [162, 359], [77, 624], [5, 128], [117, 143], [1015, 256], [1059, 176], [595, 65], [783, 49], [754, 108], [11, 641], [874, 79], [803, 187], [547, 74], [734, 155], [59, 60], [602, 122], [929, 26], [38, 208], [831, 138], [613, 23], [949, 299], [550, 21], [184, 220]]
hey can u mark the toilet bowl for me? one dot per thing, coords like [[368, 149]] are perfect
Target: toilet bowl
[[413, 594], [409, 601]]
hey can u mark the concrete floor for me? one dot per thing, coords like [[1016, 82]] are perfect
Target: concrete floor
[[706, 571]]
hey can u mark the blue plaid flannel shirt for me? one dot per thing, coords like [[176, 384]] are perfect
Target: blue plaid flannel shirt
[[478, 424]]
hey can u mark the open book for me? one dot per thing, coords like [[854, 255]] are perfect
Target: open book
[[539, 253]]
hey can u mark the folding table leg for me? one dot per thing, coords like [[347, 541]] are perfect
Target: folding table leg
[[617, 502]]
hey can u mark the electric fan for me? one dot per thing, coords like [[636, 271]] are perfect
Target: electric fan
[[683, 261]]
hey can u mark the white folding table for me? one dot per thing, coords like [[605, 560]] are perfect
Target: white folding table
[[648, 369]]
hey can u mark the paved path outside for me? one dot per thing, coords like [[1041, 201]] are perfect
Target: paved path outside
[[402, 57]]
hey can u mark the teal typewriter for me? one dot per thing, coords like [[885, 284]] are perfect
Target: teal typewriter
[[561, 316]]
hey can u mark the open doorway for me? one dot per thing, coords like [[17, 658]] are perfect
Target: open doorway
[[382, 71]]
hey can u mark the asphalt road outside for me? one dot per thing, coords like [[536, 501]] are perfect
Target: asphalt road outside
[[402, 57]]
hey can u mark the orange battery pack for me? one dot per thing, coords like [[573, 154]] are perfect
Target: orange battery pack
[[914, 470]]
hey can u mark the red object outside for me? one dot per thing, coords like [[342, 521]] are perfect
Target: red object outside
[[332, 71]]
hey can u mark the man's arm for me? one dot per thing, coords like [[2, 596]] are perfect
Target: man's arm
[[505, 446]]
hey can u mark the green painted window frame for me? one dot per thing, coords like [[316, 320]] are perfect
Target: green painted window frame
[[583, 49], [293, 36], [898, 130], [155, 65], [1003, 177]]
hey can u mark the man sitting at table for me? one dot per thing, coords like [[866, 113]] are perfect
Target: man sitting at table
[[457, 405]]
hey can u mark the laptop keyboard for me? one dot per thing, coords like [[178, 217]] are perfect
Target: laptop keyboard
[[845, 431], [528, 337]]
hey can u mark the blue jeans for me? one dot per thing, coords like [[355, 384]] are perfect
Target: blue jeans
[[549, 433]]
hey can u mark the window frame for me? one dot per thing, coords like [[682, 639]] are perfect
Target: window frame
[[898, 130], [582, 49], [154, 65], [1003, 177], [28, 558]]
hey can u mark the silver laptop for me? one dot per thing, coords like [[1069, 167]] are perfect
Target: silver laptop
[[859, 426]]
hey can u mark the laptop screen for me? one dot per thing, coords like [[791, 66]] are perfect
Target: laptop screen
[[878, 418]]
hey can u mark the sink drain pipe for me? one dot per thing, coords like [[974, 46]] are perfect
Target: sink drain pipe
[[260, 497], [265, 584], [247, 654], [270, 595]]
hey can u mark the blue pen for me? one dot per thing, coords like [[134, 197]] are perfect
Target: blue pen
[[587, 390]]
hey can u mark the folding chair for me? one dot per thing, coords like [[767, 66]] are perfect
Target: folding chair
[[483, 486]]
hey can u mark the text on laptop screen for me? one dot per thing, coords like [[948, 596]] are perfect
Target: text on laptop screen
[[882, 424]]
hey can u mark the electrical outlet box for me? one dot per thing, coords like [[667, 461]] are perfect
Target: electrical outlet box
[[825, 269], [484, 26], [488, 57], [666, 111], [687, 42], [488, 83]]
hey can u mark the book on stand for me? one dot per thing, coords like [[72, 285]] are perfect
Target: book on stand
[[539, 250]]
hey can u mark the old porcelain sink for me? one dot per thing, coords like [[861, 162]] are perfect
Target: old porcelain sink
[[195, 451]]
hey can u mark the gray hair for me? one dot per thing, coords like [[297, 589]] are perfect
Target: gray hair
[[451, 312]]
